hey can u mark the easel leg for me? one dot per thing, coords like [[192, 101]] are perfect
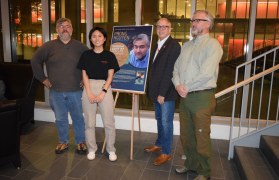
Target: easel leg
[[138, 108], [132, 128]]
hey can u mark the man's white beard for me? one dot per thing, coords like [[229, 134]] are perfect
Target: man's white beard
[[65, 37], [196, 32]]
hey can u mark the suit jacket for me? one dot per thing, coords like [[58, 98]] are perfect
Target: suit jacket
[[160, 71]]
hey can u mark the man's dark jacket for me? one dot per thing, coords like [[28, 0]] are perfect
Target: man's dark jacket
[[160, 71]]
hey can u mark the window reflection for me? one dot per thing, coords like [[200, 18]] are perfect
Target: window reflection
[[174, 9], [101, 11], [82, 11], [36, 12], [52, 11]]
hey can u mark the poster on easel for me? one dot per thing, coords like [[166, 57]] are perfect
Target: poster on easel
[[131, 46]]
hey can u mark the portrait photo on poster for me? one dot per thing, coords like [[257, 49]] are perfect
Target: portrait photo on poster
[[131, 46]]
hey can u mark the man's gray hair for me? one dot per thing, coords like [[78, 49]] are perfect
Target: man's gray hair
[[143, 37], [209, 17], [61, 20]]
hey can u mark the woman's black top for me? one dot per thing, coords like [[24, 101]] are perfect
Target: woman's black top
[[97, 65]]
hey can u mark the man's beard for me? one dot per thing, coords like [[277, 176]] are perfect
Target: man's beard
[[65, 36], [196, 32]]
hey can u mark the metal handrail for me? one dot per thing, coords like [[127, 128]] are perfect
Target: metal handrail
[[242, 122], [247, 81]]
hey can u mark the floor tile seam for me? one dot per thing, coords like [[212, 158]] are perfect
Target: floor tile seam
[[25, 170], [48, 169], [32, 164], [76, 164], [169, 172], [82, 177], [255, 166], [234, 172], [28, 151], [126, 169], [27, 146], [45, 137], [218, 147], [157, 170], [174, 153], [107, 162], [139, 160], [145, 167], [5, 176], [222, 166], [66, 177]]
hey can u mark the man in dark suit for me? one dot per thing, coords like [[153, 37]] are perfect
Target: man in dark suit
[[161, 90]]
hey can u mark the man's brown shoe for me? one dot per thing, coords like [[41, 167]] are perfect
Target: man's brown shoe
[[61, 147], [163, 158], [152, 149]]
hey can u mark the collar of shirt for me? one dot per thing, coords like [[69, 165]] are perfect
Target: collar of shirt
[[200, 38], [160, 43]]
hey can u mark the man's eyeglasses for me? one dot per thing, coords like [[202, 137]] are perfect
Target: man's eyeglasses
[[162, 27], [197, 20], [64, 27]]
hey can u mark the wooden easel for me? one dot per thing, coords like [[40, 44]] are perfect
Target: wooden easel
[[134, 98]]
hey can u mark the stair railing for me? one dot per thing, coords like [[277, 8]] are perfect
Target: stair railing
[[263, 80]]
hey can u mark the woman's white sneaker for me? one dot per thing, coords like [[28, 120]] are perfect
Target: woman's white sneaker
[[112, 156], [91, 156]]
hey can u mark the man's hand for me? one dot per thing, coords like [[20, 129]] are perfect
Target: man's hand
[[47, 83], [161, 99], [182, 90]]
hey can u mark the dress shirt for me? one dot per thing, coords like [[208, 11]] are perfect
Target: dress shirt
[[159, 45], [198, 64]]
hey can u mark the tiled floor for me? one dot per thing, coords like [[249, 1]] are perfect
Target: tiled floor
[[40, 162]]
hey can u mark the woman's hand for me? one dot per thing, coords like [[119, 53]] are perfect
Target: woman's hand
[[100, 96], [92, 98]]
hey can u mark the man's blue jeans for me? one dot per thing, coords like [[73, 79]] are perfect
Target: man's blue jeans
[[63, 103], [164, 115]]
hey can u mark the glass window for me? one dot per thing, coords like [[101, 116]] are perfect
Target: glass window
[[173, 8], [111, 13], [101, 11], [272, 9], [183, 9], [75, 11], [1, 39], [36, 12], [229, 9], [27, 27]]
